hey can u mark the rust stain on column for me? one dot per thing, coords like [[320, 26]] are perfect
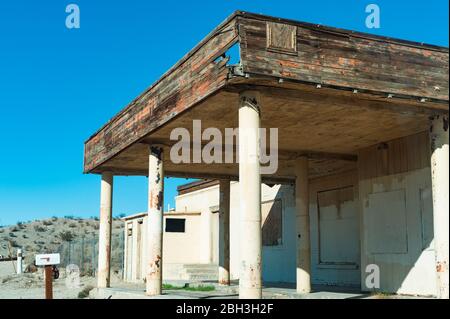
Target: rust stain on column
[[440, 185], [155, 221], [250, 281]]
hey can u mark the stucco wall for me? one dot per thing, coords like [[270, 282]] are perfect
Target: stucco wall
[[397, 214], [206, 202], [278, 261], [184, 247], [398, 231], [178, 248]]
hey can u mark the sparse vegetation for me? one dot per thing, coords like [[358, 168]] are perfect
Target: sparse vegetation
[[47, 222], [14, 244], [66, 235], [190, 288], [21, 225], [6, 279], [85, 292], [51, 233], [39, 228], [382, 295]]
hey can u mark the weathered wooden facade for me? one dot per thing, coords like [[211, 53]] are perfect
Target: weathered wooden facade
[[342, 101]]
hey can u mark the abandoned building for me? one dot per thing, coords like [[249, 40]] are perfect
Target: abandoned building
[[191, 246], [362, 176]]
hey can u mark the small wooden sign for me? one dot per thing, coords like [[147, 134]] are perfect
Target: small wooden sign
[[48, 259]]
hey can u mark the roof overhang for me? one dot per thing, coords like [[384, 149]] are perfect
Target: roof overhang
[[340, 90]]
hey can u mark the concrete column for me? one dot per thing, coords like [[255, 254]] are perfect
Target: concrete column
[[439, 180], [250, 279], [302, 224], [134, 251], [19, 262], [145, 248], [224, 232], [104, 241], [155, 221], [125, 252]]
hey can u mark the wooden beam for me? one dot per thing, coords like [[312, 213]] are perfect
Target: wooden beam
[[291, 89]]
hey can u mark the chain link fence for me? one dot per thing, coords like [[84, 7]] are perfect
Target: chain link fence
[[83, 252]]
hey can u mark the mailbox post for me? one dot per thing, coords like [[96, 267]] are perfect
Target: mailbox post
[[48, 260]]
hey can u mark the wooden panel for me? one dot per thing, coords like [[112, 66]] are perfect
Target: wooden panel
[[281, 38], [193, 79], [338, 58], [394, 157]]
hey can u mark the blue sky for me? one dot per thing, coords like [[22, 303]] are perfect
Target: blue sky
[[58, 86]]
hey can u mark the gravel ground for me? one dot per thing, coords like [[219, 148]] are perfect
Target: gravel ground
[[31, 286]]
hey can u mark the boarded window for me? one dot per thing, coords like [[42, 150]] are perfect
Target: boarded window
[[386, 223], [175, 225], [271, 223], [338, 227], [426, 217], [281, 38]]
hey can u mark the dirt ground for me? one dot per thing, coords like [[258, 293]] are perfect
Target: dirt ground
[[31, 286], [47, 236]]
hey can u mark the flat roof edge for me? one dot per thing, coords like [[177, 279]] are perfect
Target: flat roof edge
[[343, 31], [168, 72]]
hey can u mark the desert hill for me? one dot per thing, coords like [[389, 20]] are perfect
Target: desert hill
[[75, 238]]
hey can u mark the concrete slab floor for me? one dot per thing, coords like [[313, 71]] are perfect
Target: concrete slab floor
[[276, 291]]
